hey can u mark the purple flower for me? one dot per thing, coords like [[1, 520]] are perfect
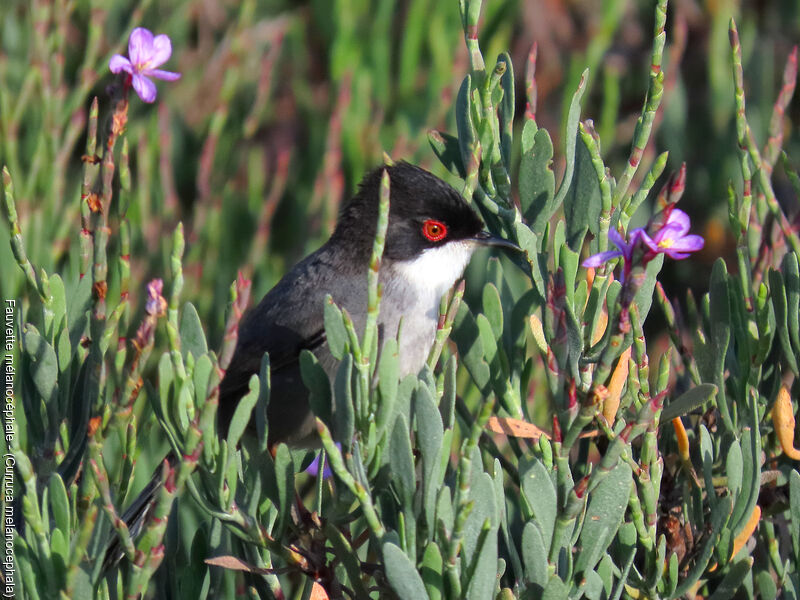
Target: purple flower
[[156, 304], [146, 53], [624, 249], [313, 468], [672, 239]]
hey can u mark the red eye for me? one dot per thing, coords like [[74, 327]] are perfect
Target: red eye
[[434, 230]]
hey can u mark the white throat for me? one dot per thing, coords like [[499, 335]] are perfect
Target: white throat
[[412, 290], [435, 271]]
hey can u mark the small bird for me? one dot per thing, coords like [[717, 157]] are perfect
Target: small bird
[[432, 233], [431, 236]]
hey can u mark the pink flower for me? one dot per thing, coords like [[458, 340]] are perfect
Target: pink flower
[[146, 52], [672, 239], [624, 249], [156, 304]]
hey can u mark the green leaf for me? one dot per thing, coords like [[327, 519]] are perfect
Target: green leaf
[[43, 363], [688, 401], [467, 337], [765, 586], [729, 585], [467, 135], [79, 298], [571, 136], [779, 302], [593, 586], [555, 590], [447, 404], [568, 261], [431, 571], [318, 384], [505, 111], [444, 508], [582, 201], [480, 536], [529, 242], [388, 374], [605, 570], [493, 309], [335, 331], [538, 490], [707, 456], [734, 468], [794, 509], [59, 502], [193, 338], [58, 302], [63, 350], [488, 342], [59, 548], [401, 573], [344, 414], [430, 435], [534, 554], [604, 516], [644, 296], [446, 148], [791, 277], [241, 416], [402, 463], [537, 180], [745, 503], [481, 492], [284, 478]]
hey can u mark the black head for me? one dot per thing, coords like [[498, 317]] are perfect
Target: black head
[[424, 212]]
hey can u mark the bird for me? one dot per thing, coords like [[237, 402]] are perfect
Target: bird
[[432, 233]]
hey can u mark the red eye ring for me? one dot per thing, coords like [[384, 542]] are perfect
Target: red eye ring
[[433, 230]]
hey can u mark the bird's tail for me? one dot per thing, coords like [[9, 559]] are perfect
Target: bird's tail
[[137, 515]]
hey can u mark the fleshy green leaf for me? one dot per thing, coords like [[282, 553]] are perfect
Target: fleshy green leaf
[[536, 179], [446, 148], [431, 571], [603, 516], [402, 461], [538, 489], [193, 338], [43, 362], [401, 573], [534, 554], [344, 415], [318, 384], [582, 201], [688, 401], [335, 331]]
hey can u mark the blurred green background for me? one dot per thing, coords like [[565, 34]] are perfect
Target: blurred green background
[[284, 105]]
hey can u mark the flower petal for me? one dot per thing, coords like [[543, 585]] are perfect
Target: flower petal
[[678, 220], [688, 243], [595, 260], [140, 46], [161, 50], [616, 238], [145, 88], [119, 63], [650, 242], [165, 75]]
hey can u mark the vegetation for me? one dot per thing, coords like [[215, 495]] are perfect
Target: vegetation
[[538, 455]]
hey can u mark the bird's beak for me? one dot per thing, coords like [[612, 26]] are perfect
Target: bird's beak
[[484, 238]]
